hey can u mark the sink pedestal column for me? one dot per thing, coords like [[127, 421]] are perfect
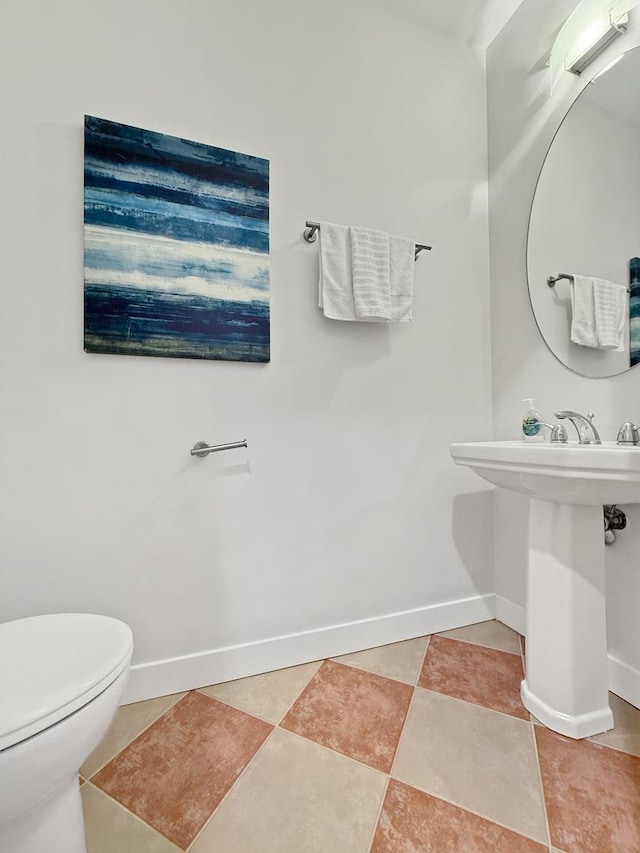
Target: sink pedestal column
[[566, 684]]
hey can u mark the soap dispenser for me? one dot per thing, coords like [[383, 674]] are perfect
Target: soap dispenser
[[531, 422]]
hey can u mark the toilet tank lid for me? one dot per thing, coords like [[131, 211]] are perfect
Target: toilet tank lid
[[50, 666]]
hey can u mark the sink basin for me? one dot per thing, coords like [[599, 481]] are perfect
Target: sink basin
[[598, 474], [566, 684]]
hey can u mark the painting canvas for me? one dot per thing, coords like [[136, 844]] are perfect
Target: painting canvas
[[634, 311], [176, 239]]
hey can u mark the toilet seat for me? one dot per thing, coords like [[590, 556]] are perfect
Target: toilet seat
[[50, 666]]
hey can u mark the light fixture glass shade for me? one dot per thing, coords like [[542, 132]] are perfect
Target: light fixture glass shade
[[585, 33]]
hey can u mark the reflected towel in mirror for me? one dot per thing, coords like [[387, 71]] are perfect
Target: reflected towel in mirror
[[599, 313]]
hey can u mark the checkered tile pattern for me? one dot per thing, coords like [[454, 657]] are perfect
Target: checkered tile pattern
[[416, 746]]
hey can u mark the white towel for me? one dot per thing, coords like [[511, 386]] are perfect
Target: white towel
[[610, 310], [335, 287], [599, 310], [402, 255], [583, 321], [370, 268]]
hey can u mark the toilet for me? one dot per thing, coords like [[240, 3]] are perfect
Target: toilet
[[61, 681]]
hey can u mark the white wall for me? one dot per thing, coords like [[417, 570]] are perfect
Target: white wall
[[345, 508], [493, 18], [522, 120]]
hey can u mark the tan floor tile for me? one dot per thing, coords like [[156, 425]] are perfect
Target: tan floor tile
[[178, 771], [591, 794], [414, 821], [625, 734], [476, 758], [109, 828], [492, 634], [357, 713], [129, 722], [296, 797], [401, 661], [268, 696], [486, 677]]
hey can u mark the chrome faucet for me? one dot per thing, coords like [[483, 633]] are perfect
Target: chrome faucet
[[582, 423]]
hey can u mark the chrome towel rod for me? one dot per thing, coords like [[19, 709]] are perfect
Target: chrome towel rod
[[310, 235], [552, 279], [201, 448]]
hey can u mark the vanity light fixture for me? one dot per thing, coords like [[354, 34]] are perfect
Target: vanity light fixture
[[588, 30], [593, 41]]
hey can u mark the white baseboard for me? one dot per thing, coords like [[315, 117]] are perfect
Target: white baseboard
[[624, 680], [158, 678], [512, 615]]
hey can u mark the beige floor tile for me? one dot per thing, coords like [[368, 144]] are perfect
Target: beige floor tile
[[129, 722], [625, 734], [492, 634], [401, 661], [297, 797], [268, 696], [476, 758], [111, 829]]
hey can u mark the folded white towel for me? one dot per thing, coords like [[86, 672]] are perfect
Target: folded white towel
[[402, 255], [385, 294], [583, 321], [335, 288], [370, 268], [599, 310], [610, 310]]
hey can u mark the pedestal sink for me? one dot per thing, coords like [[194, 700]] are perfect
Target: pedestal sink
[[566, 683]]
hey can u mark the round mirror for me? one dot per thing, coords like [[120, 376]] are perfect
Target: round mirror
[[585, 222]]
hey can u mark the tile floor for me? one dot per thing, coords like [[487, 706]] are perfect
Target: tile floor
[[417, 746]]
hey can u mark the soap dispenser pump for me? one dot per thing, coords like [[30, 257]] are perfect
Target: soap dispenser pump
[[531, 422]]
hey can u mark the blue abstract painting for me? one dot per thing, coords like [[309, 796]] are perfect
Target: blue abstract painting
[[176, 247]]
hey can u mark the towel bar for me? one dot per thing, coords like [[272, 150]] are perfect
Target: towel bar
[[552, 279], [201, 448], [311, 234]]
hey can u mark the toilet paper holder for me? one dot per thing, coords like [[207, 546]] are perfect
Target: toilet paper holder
[[201, 448]]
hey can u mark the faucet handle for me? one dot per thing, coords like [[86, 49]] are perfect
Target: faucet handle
[[559, 434], [628, 434]]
